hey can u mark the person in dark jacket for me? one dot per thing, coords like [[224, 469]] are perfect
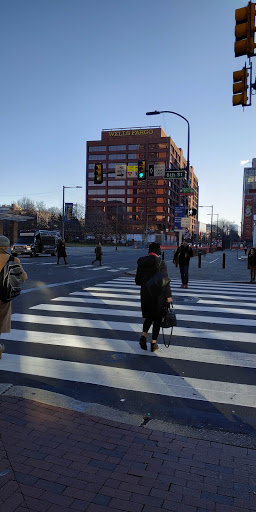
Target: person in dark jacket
[[61, 251], [182, 257], [98, 254], [152, 306], [252, 263]]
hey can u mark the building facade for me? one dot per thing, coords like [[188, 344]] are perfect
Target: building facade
[[145, 206], [249, 202]]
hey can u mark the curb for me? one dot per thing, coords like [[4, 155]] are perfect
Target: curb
[[102, 411]]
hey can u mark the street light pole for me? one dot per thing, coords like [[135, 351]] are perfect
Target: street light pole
[[156, 112], [63, 210], [211, 206]]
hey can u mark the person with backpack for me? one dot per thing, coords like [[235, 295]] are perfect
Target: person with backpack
[[98, 254], [5, 294], [154, 297], [182, 257]]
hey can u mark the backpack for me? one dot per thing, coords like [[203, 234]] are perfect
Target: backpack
[[10, 280]]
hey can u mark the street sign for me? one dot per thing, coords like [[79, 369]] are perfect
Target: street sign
[[186, 191], [185, 222], [197, 228], [159, 170], [175, 174], [151, 170], [120, 170], [132, 171], [179, 212]]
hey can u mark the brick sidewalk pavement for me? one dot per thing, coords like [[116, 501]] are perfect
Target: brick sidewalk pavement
[[59, 460]]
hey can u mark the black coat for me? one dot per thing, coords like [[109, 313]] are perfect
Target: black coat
[[183, 255], [61, 250], [252, 259], [151, 306]]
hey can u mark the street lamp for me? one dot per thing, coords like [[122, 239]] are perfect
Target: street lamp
[[209, 214], [217, 214], [63, 209], [156, 112]]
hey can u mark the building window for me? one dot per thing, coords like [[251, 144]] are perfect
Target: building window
[[96, 148], [120, 183], [116, 156], [136, 146], [132, 155], [91, 166], [97, 192], [112, 166], [97, 157], [117, 148], [115, 192]]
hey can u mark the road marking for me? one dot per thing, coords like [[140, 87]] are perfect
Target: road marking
[[226, 358], [133, 380]]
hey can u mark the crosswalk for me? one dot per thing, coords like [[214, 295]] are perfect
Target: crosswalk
[[90, 267], [91, 337]]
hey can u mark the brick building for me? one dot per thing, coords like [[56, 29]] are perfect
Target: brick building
[[145, 206]]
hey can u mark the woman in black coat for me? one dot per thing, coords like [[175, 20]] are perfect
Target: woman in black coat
[[252, 263], [152, 306]]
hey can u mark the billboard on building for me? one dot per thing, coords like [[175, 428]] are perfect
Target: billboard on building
[[248, 218]]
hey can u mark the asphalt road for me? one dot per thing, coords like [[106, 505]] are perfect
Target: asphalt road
[[48, 281]]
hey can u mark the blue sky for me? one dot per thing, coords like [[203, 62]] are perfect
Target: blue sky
[[73, 67]]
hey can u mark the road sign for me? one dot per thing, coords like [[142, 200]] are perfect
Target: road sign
[[132, 171], [179, 212], [159, 170], [185, 222], [151, 170], [186, 191], [175, 174], [120, 170]]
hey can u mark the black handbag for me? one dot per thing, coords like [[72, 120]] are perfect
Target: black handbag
[[168, 321], [169, 318]]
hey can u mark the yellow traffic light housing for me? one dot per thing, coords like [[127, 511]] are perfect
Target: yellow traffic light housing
[[244, 30], [240, 87], [98, 174], [142, 170]]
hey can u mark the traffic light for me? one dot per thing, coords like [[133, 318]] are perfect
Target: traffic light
[[142, 170], [240, 87], [192, 211], [244, 30], [98, 174]]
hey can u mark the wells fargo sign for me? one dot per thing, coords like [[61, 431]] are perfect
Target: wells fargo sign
[[123, 133]]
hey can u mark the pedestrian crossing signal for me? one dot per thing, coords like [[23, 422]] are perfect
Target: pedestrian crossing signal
[[98, 174], [192, 211], [142, 170]]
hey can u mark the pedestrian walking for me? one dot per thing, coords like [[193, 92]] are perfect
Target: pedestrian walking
[[61, 251], [245, 247], [252, 263], [5, 307], [152, 304], [182, 257], [98, 254]]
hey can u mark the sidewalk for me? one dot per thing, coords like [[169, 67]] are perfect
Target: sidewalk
[[58, 460]]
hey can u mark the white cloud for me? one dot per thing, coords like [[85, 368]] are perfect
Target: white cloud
[[243, 162]]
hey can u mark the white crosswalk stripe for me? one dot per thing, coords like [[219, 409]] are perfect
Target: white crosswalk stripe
[[219, 334]]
